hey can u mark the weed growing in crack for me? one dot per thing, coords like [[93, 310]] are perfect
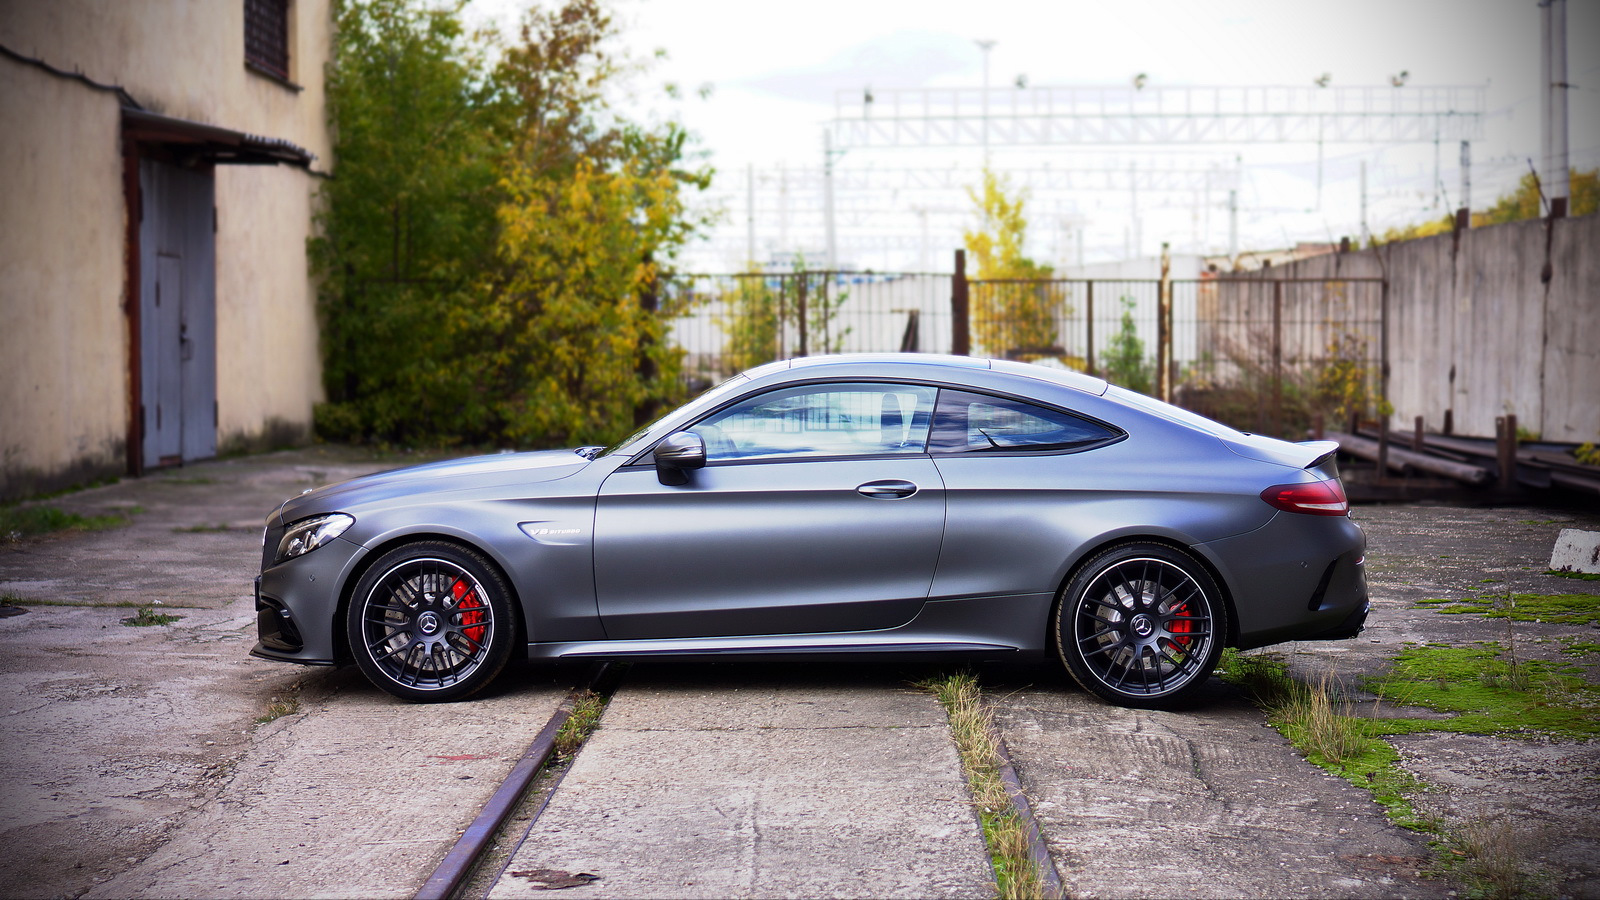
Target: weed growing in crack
[[147, 616], [1016, 876], [576, 729], [1487, 856], [278, 707]]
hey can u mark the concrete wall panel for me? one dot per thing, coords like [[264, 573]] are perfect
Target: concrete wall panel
[[1571, 371], [1474, 330]]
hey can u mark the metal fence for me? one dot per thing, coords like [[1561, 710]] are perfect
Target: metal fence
[[1271, 355]]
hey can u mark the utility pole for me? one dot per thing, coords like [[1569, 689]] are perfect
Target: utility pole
[[1133, 201], [986, 46], [750, 214], [1233, 226], [1366, 235], [827, 198], [1466, 184], [1555, 178]]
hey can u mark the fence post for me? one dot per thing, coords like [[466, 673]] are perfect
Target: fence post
[[1089, 325], [1506, 450], [960, 307], [805, 280], [1164, 328], [1277, 358]]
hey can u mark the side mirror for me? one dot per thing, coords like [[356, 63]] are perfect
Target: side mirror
[[678, 452]]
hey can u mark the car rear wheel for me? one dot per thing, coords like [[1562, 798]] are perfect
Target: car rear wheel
[[431, 621], [1141, 625]]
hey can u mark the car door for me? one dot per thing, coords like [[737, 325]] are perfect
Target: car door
[[818, 510]]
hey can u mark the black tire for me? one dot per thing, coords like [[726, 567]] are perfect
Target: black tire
[[431, 621], [1141, 625]]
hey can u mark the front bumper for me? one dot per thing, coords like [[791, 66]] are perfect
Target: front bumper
[[298, 605]]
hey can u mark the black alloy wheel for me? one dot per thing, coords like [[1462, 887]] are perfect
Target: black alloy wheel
[[431, 621], [1141, 625]]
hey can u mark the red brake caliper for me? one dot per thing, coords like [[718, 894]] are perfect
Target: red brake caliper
[[1181, 627], [471, 610]]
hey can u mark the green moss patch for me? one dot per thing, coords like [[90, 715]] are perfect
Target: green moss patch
[[1489, 691], [1580, 576], [1559, 609], [18, 522]]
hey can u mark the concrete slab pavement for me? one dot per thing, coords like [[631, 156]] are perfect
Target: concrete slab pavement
[[135, 765], [1203, 802], [753, 781], [359, 795]]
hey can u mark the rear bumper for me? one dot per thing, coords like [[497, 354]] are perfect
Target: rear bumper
[[1349, 628], [1297, 578]]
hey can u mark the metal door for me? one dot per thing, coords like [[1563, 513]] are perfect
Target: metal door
[[177, 314]]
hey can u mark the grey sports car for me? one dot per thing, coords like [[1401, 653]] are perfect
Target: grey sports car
[[862, 505]]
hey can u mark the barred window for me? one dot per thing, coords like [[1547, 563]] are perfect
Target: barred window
[[266, 36]]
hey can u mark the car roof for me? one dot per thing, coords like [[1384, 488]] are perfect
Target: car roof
[[850, 362]]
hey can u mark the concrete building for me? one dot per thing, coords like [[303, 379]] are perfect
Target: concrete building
[[159, 161]]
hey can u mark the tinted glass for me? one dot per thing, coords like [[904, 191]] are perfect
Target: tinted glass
[[977, 422], [822, 420]]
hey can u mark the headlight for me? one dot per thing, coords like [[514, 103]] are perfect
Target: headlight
[[307, 535]]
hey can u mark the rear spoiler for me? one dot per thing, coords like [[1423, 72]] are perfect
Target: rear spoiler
[[1323, 450]]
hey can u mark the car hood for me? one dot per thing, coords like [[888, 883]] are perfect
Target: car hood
[[450, 475]]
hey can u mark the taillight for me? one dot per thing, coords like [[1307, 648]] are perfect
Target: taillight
[[1313, 498]]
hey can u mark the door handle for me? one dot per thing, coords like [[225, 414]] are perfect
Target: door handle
[[891, 489]]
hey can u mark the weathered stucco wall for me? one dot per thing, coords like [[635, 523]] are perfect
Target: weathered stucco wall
[[269, 371], [64, 335], [183, 58], [1474, 329]]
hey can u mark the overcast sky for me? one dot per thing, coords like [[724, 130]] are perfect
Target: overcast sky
[[772, 71]]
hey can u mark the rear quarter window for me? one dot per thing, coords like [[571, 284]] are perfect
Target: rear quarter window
[[967, 422]]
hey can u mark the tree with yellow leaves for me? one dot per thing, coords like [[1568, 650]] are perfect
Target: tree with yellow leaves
[[1014, 305]]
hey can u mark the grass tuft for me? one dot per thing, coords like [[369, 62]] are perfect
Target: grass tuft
[[147, 616], [1488, 856], [1016, 876], [278, 707], [582, 723]]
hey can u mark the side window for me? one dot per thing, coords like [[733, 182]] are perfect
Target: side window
[[969, 423], [822, 420]]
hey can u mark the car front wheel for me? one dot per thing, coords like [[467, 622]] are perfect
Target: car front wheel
[[431, 621], [1141, 625]]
